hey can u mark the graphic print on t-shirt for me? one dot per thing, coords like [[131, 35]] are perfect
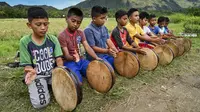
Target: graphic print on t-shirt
[[43, 59]]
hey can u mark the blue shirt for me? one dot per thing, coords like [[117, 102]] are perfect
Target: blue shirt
[[155, 30], [167, 29], [96, 36], [162, 30]]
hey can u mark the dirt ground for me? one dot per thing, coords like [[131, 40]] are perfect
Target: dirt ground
[[179, 92]]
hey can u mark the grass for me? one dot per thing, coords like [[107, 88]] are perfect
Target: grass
[[14, 94]]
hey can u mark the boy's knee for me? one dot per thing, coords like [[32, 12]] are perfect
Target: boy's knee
[[40, 103]]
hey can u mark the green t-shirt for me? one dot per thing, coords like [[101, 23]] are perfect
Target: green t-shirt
[[42, 57]]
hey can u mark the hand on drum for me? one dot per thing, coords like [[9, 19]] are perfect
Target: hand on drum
[[112, 52], [30, 75], [97, 58], [159, 41], [138, 50], [134, 45], [76, 56]]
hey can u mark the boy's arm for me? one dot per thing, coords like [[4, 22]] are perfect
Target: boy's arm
[[100, 50], [116, 36], [59, 61], [25, 61], [91, 41], [111, 45], [89, 50], [66, 54], [30, 74], [64, 49], [145, 37], [129, 39], [58, 52]]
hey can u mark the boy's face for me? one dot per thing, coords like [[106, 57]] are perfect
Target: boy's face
[[39, 26], [74, 22], [123, 20], [100, 20], [134, 17], [166, 23], [152, 21], [161, 24], [143, 22]]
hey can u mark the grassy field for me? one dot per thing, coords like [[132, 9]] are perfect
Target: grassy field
[[14, 95]]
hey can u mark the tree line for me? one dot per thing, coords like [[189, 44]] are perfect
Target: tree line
[[21, 12]]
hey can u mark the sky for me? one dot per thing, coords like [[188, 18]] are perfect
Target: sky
[[59, 4]]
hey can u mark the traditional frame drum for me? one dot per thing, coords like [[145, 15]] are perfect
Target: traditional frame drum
[[179, 44], [126, 64], [100, 76], [186, 43], [173, 47], [66, 88], [164, 53], [148, 61]]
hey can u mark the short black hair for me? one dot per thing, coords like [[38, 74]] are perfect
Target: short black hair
[[131, 11], [144, 15], [167, 19], [152, 16], [75, 11], [119, 14], [161, 19], [98, 10], [36, 12]]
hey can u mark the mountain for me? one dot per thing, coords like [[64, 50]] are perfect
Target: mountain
[[20, 11], [43, 6], [173, 5], [4, 4]]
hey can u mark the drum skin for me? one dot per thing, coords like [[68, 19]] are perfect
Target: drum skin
[[64, 89], [164, 53], [179, 44], [99, 76], [186, 44], [148, 61], [111, 71], [173, 47], [126, 64]]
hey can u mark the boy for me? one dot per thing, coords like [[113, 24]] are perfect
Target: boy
[[143, 22], [120, 36], [98, 37], [70, 40], [168, 31], [152, 22], [39, 54], [135, 31], [166, 25], [161, 25]]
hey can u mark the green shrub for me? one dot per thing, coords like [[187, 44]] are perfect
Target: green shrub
[[192, 25], [177, 18]]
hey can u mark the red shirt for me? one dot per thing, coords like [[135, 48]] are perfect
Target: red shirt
[[71, 40], [123, 36]]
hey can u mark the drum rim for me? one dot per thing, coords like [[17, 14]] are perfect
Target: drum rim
[[77, 84], [111, 69], [190, 45]]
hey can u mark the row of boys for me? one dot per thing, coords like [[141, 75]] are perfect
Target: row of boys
[[40, 52]]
